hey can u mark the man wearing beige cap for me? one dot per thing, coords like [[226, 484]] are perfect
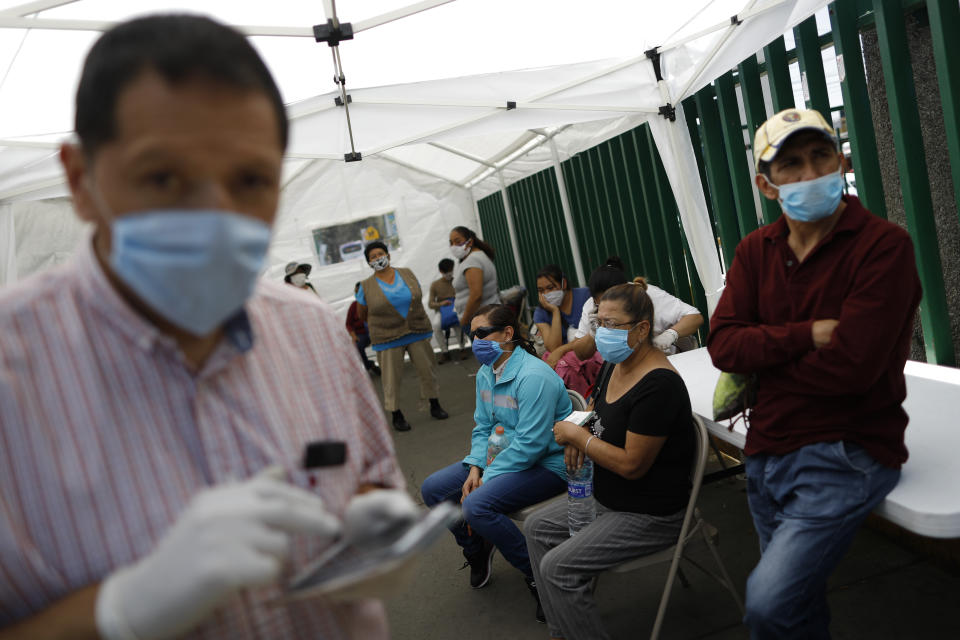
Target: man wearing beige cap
[[820, 306]]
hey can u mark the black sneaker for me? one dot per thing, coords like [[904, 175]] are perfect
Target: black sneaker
[[437, 411], [481, 565], [532, 585], [399, 422]]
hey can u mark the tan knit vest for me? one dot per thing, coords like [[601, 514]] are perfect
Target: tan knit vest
[[386, 325]]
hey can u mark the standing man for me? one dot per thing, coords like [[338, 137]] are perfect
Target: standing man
[[820, 306], [156, 398], [444, 318]]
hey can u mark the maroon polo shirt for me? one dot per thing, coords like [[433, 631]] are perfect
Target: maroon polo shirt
[[862, 274]]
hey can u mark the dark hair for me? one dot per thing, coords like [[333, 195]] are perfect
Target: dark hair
[[356, 287], [610, 274], [178, 47], [376, 244], [555, 274], [763, 168], [501, 315], [445, 265], [635, 301], [477, 242]]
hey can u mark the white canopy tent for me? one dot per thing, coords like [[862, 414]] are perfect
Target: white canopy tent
[[430, 148]]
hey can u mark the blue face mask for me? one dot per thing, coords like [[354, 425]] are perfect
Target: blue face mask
[[612, 344], [195, 268], [487, 351], [811, 200]]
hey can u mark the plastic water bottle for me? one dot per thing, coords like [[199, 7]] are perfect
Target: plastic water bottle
[[497, 442], [581, 506]]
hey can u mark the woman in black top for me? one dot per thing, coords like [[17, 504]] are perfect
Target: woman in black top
[[642, 447]]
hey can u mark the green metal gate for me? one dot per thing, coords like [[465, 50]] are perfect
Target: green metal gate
[[622, 204]]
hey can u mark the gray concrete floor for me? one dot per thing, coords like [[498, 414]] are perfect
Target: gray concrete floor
[[880, 590]]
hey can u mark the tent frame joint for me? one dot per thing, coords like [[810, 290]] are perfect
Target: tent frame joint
[[333, 33], [353, 156], [337, 100], [669, 112], [654, 56], [511, 104], [735, 20]]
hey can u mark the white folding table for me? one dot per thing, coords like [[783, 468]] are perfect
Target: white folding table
[[927, 499]]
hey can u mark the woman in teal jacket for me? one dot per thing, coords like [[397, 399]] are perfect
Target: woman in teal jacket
[[522, 393]]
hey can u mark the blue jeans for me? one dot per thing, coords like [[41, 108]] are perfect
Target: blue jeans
[[806, 506], [485, 508]]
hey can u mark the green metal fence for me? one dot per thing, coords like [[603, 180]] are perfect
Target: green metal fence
[[622, 203]]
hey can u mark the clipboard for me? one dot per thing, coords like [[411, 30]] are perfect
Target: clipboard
[[350, 573]]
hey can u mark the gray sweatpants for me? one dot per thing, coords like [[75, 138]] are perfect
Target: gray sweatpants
[[564, 566]]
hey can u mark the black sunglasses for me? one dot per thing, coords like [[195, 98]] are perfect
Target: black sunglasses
[[483, 332]]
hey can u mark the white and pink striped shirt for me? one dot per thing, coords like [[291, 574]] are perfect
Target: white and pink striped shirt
[[106, 434]]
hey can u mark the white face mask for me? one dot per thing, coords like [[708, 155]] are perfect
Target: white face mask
[[298, 279], [447, 276], [381, 263], [460, 251], [554, 297]]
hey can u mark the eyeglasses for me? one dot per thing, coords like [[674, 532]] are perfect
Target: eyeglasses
[[483, 332], [610, 324]]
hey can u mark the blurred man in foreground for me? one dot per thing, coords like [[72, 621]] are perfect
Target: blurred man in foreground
[[156, 399]]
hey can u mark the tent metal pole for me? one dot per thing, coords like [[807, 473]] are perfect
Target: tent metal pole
[[396, 14], [514, 243], [61, 24], [462, 154], [313, 156], [32, 144], [296, 174], [34, 7], [425, 172], [476, 213], [35, 186], [359, 99], [743, 15], [567, 214], [515, 154], [710, 56]]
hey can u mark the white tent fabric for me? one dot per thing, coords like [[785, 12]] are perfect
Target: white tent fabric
[[428, 147]]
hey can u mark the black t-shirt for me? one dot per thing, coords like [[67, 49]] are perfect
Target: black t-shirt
[[658, 405]]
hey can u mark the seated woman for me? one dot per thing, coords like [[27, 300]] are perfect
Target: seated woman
[[557, 318], [519, 391], [642, 454]]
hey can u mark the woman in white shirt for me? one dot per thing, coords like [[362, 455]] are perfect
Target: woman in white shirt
[[673, 318]]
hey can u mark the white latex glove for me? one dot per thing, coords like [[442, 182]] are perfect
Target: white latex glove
[[665, 340], [377, 514], [229, 537], [594, 322]]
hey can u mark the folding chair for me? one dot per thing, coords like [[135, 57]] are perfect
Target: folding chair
[[694, 527], [579, 404]]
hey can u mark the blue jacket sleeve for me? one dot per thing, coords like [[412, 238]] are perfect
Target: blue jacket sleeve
[[484, 425], [537, 398]]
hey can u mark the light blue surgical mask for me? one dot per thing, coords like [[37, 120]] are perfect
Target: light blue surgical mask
[[612, 344], [193, 267], [811, 200], [487, 351]]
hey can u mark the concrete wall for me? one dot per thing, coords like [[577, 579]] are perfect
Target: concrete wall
[[935, 146]]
